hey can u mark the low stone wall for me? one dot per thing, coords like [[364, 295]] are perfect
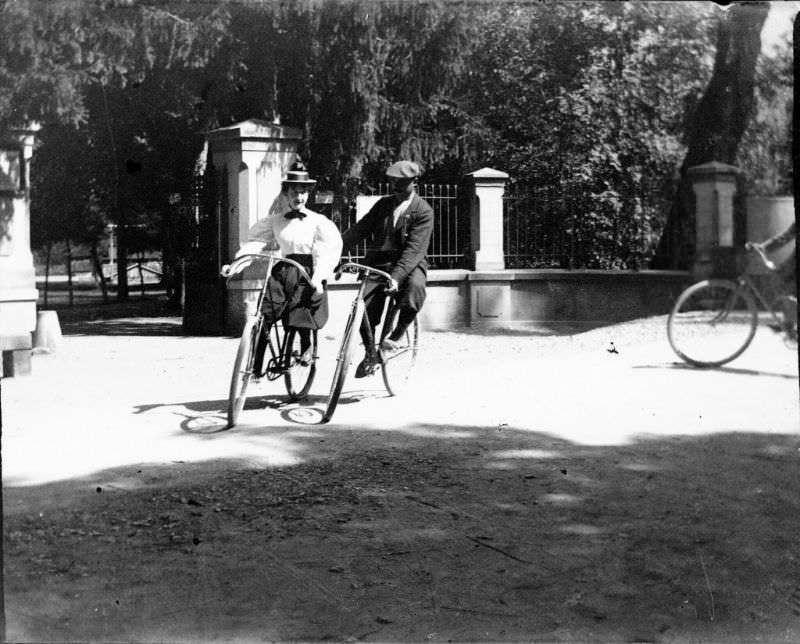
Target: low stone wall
[[543, 299]]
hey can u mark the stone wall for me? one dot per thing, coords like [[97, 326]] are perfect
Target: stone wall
[[541, 299]]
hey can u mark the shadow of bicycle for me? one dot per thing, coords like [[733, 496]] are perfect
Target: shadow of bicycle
[[211, 416], [727, 370]]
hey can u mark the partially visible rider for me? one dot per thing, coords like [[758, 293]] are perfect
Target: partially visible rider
[[786, 272], [398, 230], [310, 239]]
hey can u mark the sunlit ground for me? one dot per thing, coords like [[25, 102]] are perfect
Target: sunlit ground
[[105, 401]]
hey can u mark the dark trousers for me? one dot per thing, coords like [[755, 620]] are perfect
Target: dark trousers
[[410, 298]]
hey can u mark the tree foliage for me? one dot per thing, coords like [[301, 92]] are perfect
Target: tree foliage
[[598, 101]]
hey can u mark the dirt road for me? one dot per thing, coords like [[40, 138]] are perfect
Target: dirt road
[[529, 488]]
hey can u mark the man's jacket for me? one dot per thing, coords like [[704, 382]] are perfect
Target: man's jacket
[[412, 235]]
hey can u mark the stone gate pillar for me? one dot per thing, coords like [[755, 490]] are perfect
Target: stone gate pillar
[[18, 292], [486, 219], [714, 187], [489, 290], [248, 160]]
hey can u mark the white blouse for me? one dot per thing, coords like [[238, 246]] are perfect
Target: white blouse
[[314, 235]]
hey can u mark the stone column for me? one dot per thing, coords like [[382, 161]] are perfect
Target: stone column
[[18, 292], [489, 288], [714, 186], [250, 159], [256, 154], [486, 219]]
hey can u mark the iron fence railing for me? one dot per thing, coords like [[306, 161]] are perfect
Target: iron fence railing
[[571, 228], [543, 227], [450, 237]]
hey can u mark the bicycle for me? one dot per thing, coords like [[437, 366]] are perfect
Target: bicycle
[[715, 320], [284, 344], [396, 367]]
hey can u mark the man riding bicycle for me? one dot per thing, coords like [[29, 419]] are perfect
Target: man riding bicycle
[[398, 230], [786, 272]]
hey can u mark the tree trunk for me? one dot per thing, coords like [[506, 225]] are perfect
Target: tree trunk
[[718, 123], [47, 272], [122, 258], [140, 259], [69, 275], [98, 269]]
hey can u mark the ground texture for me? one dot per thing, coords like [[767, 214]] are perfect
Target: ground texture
[[575, 487]]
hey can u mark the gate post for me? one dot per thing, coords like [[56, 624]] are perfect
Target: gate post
[[247, 161], [714, 186], [489, 288], [18, 292], [486, 219]]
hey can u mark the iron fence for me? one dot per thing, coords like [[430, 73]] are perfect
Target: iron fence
[[543, 227], [450, 237], [571, 228]]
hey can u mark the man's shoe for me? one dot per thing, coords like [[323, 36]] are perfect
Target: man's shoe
[[366, 367], [390, 346]]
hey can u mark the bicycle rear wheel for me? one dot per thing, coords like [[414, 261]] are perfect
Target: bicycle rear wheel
[[344, 358], [298, 376], [397, 366], [712, 323], [242, 370]]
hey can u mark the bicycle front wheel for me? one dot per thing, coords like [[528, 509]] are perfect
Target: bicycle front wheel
[[242, 370], [344, 358], [299, 373], [398, 366], [712, 323]]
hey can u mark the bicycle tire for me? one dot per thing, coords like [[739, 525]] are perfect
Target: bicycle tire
[[712, 323], [298, 377], [398, 367], [242, 370], [344, 358]]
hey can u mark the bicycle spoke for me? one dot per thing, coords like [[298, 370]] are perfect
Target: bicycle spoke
[[712, 323], [398, 365], [299, 373]]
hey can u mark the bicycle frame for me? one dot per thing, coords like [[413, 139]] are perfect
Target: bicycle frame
[[364, 273], [277, 364], [745, 280]]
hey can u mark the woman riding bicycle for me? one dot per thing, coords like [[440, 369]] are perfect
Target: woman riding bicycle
[[309, 238]]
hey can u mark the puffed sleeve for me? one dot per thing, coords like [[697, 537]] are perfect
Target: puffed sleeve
[[261, 237], [327, 248]]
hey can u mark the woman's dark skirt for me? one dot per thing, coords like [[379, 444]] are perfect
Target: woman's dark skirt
[[291, 299]]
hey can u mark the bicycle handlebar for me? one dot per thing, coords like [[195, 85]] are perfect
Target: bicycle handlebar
[[238, 264], [758, 250], [353, 267]]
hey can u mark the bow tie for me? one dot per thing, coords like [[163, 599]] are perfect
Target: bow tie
[[294, 214]]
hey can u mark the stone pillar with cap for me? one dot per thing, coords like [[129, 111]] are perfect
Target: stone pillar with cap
[[248, 160], [714, 187], [486, 219], [18, 292], [489, 288]]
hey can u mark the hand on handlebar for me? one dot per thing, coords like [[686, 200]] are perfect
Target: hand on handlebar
[[318, 284], [392, 286], [759, 248]]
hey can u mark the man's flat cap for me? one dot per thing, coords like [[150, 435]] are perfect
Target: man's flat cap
[[403, 170]]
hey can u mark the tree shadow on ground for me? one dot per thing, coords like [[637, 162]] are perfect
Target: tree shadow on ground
[[427, 533]]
